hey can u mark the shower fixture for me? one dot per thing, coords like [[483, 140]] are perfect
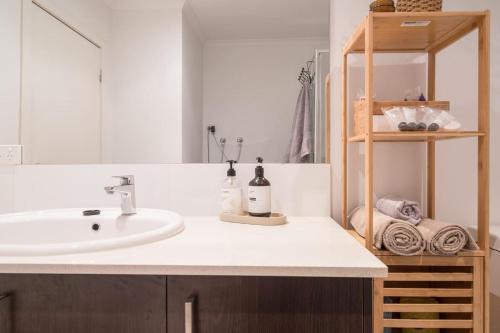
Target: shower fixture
[[223, 148], [221, 145], [239, 141], [210, 130]]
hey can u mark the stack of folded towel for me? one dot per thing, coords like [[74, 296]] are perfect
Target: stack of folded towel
[[398, 226], [400, 209]]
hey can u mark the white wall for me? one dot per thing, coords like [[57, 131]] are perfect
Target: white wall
[[189, 189], [141, 76], [192, 89], [399, 168], [90, 17], [54, 94], [456, 185], [142, 69], [146, 86], [10, 67], [250, 91], [457, 82]]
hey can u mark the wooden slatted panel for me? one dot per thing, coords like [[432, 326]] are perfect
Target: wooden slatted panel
[[427, 323], [427, 292], [444, 308], [429, 277]]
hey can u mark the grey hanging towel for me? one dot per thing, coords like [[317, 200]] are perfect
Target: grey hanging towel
[[301, 146]]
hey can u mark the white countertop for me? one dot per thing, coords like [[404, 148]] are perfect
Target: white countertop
[[306, 246]]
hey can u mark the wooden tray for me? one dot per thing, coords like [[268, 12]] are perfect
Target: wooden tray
[[274, 219]]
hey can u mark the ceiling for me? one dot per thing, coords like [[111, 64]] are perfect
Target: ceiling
[[246, 19], [261, 19]]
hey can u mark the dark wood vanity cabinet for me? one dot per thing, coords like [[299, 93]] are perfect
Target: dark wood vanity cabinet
[[183, 304], [83, 304], [268, 305]]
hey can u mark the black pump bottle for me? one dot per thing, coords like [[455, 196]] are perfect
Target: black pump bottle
[[259, 193]]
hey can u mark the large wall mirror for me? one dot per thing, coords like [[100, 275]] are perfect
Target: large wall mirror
[[172, 81]]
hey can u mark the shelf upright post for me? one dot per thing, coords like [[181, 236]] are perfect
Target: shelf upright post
[[369, 132], [431, 145], [343, 175], [483, 126], [483, 199]]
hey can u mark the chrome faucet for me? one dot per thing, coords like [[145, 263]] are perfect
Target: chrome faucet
[[127, 191]]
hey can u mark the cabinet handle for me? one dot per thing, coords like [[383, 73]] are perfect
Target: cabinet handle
[[188, 314]]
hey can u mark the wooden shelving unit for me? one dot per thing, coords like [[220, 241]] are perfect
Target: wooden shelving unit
[[459, 283]]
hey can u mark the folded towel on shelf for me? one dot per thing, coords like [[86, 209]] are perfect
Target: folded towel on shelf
[[445, 238], [398, 236], [400, 209]]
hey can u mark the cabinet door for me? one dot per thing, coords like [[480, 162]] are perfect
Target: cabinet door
[[5, 313], [85, 303], [267, 304]]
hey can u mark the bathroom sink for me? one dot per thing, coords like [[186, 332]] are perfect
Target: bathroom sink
[[64, 231]]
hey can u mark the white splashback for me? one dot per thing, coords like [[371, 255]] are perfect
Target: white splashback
[[189, 189], [6, 188]]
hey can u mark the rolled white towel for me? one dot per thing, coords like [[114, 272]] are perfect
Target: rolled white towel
[[398, 236], [445, 238]]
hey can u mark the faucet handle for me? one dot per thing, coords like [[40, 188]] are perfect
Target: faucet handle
[[126, 179]]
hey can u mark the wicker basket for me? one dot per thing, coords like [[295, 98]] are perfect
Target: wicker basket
[[419, 5]]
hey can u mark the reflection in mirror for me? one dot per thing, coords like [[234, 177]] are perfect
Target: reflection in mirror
[[61, 120], [148, 81], [264, 71]]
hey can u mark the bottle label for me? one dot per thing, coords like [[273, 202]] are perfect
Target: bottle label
[[231, 200], [259, 199]]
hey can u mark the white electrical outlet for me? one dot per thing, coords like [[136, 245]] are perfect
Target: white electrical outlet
[[11, 154]]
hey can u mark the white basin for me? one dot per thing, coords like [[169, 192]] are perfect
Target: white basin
[[64, 231]]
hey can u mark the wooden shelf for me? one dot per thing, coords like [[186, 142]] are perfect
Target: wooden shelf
[[444, 28], [378, 105], [416, 136]]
